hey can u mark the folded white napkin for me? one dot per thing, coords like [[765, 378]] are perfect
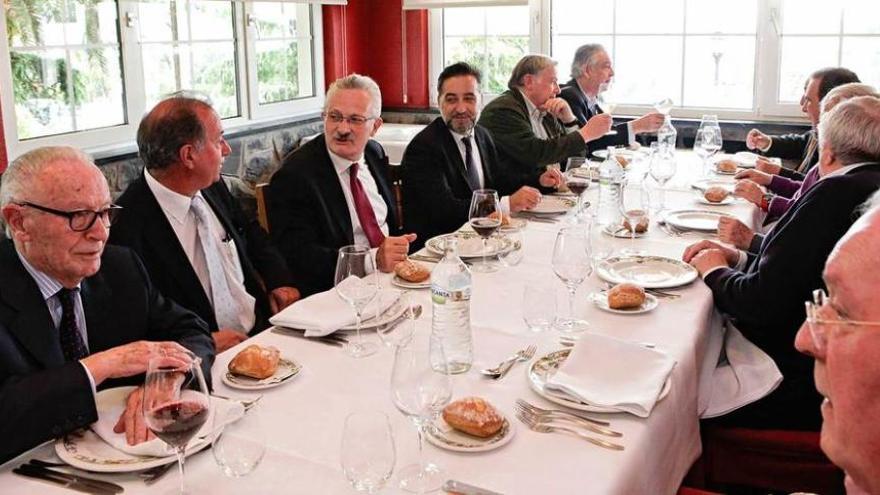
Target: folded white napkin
[[109, 415], [326, 312], [608, 372]]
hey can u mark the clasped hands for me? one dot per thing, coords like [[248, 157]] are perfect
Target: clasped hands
[[707, 255]]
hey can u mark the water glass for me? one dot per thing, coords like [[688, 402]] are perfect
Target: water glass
[[515, 255], [368, 453], [572, 264], [357, 283], [539, 307], [399, 331], [241, 444], [601, 244]]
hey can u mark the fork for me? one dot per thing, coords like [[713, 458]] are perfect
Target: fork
[[247, 403], [560, 411], [504, 367], [549, 417], [545, 428]]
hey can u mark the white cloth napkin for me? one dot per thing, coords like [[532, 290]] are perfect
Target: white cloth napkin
[[608, 372], [326, 312], [230, 410]]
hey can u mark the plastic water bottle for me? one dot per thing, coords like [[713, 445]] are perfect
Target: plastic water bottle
[[610, 177], [451, 302], [667, 135]]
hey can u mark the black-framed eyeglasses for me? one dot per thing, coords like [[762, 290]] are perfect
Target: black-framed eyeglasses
[[353, 120], [80, 220]]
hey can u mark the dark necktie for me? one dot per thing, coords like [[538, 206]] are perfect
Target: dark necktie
[[364, 209], [71, 341], [473, 178]]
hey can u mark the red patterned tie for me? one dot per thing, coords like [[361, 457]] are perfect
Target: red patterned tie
[[364, 209]]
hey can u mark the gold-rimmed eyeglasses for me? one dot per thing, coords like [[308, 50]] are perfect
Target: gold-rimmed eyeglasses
[[822, 319], [79, 220], [356, 121]]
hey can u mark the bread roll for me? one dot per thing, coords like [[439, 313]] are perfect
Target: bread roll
[[256, 362], [726, 165], [505, 219], [626, 296], [473, 416], [622, 160], [715, 194], [641, 227], [411, 271]]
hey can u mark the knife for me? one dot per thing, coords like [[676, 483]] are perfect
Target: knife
[[459, 488], [86, 485]]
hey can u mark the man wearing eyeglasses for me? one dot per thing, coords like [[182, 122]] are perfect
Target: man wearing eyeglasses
[[334, 191], [842, 334], [199, 247], [763, 293], [75, 314]]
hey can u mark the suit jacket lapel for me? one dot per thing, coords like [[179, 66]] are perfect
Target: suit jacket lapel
[[96, 299], [482, 146], [447, 140], [378, 169], [330, 191]]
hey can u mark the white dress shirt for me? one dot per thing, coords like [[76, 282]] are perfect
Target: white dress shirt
[[478, 162], [380, 209], [593, 104], [536, 117], [176, 208]]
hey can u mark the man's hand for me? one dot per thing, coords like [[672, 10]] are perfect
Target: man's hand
[[756, 176], [131, 421], [766, 166], [707, 260], [647, 123], [596, 127], [731, 256], [749, 191], [524, 199], [732, 231], [226, 338], [283, 297], [552, 177], [392, 251], [558, 108], [757, 140], [133, 359]]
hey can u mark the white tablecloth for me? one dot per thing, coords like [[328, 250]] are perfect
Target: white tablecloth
[[304, 417]]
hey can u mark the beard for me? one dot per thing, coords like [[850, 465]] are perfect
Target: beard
[[461, 126]]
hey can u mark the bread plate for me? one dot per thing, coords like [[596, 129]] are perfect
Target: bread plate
[[600, 299]]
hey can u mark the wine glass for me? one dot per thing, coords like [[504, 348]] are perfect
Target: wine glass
[[420, 390], [514, 255], [368, 453], [664, 106], [539, 306], [572, 264], [485, 218], [398, 332], [577, 179], [357, 284], [707, 142], [241, 444], [634, 203], [662, 169], [175, 404]]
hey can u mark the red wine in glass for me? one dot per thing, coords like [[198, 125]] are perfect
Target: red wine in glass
[[577, 186], [177, 422], [485, 226]]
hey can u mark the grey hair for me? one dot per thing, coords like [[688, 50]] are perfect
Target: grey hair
[[20, 174], [528, 65], [845, 92], [364, 83], [585, 57], [852, 130]]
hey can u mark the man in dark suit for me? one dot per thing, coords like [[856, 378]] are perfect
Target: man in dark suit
[[591, 73], [531, 126], [334, 191], [764, 294], [224, 268], [454, 156], [73, 315]]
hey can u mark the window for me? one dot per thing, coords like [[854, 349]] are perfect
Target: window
[[741, 59], [83, 71]]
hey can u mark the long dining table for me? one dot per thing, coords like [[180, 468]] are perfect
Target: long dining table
[[303, 418]]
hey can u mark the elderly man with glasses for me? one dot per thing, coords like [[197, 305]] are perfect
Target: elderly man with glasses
[[334, 191], [763, 293], [75, 314], [842, 334]]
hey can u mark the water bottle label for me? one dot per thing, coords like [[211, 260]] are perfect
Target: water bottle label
[[442, 296]]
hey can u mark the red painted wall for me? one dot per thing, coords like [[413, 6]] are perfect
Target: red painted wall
[[3, 158]]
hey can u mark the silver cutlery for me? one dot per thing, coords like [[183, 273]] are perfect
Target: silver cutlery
[[534, 425], [569, 341], [550, 417], [459, 488], [413, 313], [68, 480], [247, 403], [154, 474], [334, 340], [504, 367], [560, 411]]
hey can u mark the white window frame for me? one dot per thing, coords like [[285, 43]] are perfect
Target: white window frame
[[121, 138], [767, 64]]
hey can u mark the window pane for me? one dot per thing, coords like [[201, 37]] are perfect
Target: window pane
[[508, 21], [97, 97], [810, 17], [719, 71], [722, 16], [862, 55], [644, 80], [284, 51], [578, 16], [464, 21], [565, 46], [275, 20], [649, 16], [41, 93], [800, 57], [861, 17], [277, 71]]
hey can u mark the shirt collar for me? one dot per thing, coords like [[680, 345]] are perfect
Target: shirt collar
[[458, 137], [534, 111], [175, 204], [845, 169], [48, 285], [591, 100], [342, 164]]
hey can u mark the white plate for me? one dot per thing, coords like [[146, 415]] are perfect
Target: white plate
[[650, 272], [446, 437], [628, 153], [470, 245], [721, 172], [745, 159], [405, 284], [704, 184], [543, 368], [87, 451], [372, 320], [700, 220], [726, 201], [620, 232], [553, 205], [601, 302], [287, 369]]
